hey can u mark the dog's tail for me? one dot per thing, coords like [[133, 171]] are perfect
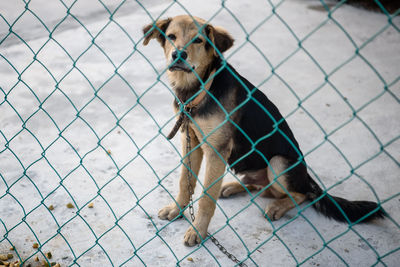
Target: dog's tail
[[354, 210]]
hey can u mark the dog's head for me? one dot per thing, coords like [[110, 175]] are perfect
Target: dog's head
[[189, 45]]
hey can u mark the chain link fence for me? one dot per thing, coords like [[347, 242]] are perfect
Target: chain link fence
[[85, 109]]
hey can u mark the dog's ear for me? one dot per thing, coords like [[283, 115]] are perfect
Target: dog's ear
[[156, 30], [220, 38]]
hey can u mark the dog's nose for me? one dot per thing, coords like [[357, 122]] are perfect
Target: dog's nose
[[176, 53]]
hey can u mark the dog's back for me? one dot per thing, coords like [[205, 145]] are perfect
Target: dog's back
[[261, 133]]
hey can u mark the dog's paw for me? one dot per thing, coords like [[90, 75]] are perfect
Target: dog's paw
[[226, 191], [274, 212], [169, 212], [191, 237], [230, 189]]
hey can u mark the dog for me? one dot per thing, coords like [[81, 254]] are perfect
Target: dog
[[231, 122]]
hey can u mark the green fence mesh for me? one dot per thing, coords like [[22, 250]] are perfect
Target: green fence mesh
[[84, 112]]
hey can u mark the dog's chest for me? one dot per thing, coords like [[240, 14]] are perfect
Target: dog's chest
[[214, 130]]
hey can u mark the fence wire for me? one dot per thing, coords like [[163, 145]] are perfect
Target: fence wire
[[32, 228]]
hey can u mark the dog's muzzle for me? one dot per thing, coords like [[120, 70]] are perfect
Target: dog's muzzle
[[180, 64]]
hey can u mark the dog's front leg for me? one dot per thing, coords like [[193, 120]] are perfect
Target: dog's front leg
[[172, 210], [215, 167]]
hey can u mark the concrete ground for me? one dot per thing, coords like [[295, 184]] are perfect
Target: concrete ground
[[80, 123]]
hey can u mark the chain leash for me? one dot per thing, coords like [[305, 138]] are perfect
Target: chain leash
[[191, 209]]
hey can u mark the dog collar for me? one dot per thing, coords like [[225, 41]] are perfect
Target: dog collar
[[197, 100], [192, 104]]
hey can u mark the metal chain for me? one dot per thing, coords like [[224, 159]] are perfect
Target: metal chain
[[191, 209], [190, 187]]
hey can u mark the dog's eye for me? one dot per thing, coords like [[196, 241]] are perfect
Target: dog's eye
[[172, 37], [197, 40]]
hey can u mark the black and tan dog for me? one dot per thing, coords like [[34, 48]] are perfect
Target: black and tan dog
[[235, 124]]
